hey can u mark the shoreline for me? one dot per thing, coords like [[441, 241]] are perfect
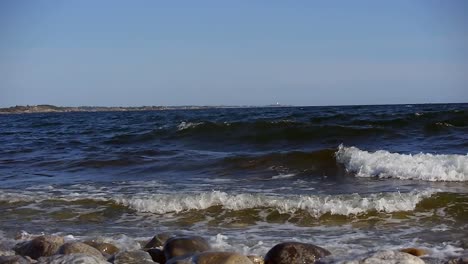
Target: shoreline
[[173, 248], [46, 108]]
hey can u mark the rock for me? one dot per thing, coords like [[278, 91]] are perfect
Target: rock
[[158, 240], [183, 245], [386, 257], [211, 258], [256, 259], [157, 255], [71, 258], [78, 247], [41, 246], [133, 257], [221, 258], [294, 252], [104, 248], [186, 259], [414, 251], [14, 260]]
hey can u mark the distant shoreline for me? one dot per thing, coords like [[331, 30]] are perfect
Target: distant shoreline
[[30, 109], [46, 108]]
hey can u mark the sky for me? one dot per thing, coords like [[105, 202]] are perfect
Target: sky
[[133, 53]]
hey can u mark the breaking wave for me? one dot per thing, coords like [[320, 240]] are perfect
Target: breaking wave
[[384, 164], [315, 205]]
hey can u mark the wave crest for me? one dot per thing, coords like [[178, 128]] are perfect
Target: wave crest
[[314, 204], [383, 164]]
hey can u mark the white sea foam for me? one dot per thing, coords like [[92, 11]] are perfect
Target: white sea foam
[[185, 125], [383, 164], [283, 176], [314, 204]]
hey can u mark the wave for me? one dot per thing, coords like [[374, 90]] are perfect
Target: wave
[[186, 125], [313, 127], [383, 164], [223, 205], [313, 204], [320, 162]]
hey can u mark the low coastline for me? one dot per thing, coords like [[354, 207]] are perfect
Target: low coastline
[[66, 109]]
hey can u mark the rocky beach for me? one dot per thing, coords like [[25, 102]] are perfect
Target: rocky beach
[[179, 249]]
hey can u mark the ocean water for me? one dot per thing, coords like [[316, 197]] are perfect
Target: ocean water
[[351, 179]]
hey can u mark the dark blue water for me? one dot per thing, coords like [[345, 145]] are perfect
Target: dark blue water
[[268, 172]]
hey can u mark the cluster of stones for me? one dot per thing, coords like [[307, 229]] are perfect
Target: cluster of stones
[[166, 249]]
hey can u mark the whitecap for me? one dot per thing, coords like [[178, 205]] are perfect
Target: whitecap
[[186, 125], [283, 176], [423, 166], [315, 205]]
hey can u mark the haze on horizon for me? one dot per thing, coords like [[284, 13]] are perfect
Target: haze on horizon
[[132, 53]]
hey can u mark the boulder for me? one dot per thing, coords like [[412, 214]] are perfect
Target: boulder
[[71, 258], [157, 255], [158, 240], [186, 259], [414, 251], [78, 247], [104, 248], [386, 257], [133, 257], [41, 246], [14, 260], [211, 257], [184, 245], [295, 252], [221, 258]]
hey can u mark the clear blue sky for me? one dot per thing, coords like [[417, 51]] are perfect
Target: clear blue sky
[[133, 53]]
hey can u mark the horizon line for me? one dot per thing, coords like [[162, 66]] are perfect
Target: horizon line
[[226, 105]]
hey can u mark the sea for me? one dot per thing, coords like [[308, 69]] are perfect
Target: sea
[[351, 179]]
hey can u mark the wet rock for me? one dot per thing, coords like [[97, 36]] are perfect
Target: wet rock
[[414, 251], [184, 245], [295, 252], [158, 240], [104, 248], [14, 260], [221, 258], [157, 255], [386, 257], [256, 259], [78, 247], [133, 257], [41, 246], [187, 259], [72, 258]]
